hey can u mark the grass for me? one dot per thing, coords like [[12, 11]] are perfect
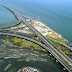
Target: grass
[[23, 43], [60, 40], [62, 48], [6, 39], [36, 38]]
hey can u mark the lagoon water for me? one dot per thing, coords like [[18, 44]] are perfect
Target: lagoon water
[[57, 14], [6, 17]]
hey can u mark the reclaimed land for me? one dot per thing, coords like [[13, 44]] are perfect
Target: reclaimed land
[[24, 43]]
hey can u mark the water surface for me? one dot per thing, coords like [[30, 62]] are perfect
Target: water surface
[[57, 14], [6, 17]]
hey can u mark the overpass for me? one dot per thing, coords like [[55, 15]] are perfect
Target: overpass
[[64, 45], [26, 38], [58, 54]]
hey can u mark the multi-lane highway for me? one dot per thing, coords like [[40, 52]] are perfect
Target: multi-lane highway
[[60, 56], [23, 37], [66, 46]]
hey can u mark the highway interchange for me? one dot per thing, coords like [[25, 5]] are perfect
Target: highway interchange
[[59, 55]]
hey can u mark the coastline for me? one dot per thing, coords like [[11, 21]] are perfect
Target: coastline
[[40, 26], [44, 30]]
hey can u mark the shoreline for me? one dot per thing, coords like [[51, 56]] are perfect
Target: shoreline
[[38, 25], [46, 30]]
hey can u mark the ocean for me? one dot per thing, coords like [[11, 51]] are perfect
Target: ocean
[[57, 14], [6, 17]]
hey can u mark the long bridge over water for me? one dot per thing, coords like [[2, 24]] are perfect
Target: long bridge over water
[[58, 54]]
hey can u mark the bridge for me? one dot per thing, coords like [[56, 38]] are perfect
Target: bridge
[[58, 54], [8, 28], [26, 38], [66, 46]]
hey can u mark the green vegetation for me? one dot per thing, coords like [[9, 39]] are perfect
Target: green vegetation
[[16, 42], [36, 38], [29, 21], [60, 40], [62, 48], [6, 39], [23, 43]]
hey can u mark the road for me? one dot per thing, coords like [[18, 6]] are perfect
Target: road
[[8, 28], [26, 38], [68, 47], [59, 55]]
